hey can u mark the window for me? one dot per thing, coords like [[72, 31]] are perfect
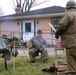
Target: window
[[27, 27], [55, 23]]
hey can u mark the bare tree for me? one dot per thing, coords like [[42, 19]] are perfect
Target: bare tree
[[26, 5]]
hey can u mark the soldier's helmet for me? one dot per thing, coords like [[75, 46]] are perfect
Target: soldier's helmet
[[39, 31], [71, 4]]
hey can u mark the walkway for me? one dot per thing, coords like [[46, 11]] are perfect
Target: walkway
[[51, 51]]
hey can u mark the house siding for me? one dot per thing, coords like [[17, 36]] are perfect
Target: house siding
[[15, 27], [43, 23], [9, 28]]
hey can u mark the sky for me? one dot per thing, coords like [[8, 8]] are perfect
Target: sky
[[8, 7]]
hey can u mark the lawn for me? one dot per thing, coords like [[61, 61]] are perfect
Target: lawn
[[21, 66]]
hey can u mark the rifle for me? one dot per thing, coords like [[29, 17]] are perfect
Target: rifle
[[52, 27]]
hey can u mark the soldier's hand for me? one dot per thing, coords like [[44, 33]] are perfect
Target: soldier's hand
[[56, 36]]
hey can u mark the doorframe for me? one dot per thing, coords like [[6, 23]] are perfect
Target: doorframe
[[27, 21]]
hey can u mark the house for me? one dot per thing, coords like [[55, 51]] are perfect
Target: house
[[24, 25]]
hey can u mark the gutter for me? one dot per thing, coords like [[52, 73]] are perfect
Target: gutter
[[32, 16]]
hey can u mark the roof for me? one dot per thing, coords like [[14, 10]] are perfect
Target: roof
[[45, 12]]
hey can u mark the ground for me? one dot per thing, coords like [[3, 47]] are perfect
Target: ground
[[21, 66], [51, 51]]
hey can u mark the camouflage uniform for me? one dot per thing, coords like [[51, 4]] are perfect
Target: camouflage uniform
[[67, 31], [38, 45]]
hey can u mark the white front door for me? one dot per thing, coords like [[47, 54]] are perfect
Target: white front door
[[28, 30]]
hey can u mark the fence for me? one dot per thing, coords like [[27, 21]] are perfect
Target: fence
[[50, 38]]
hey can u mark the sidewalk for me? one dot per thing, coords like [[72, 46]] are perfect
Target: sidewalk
[[51, 51]]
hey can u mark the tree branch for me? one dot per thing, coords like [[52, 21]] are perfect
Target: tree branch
[[13, 3], [20, 3], [39, 3], [28, 4], [17, 2], [23, 5]]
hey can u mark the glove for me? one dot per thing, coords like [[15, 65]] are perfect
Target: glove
[[56, 36]]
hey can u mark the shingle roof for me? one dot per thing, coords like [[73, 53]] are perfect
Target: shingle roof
[[44, 11]]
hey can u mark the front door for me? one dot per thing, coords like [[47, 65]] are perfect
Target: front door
[[28, 30]]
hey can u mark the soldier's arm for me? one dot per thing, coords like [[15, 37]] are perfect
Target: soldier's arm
[[63, 24]]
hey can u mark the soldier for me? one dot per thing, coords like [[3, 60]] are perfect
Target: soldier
[[38, 44], [67, 32]]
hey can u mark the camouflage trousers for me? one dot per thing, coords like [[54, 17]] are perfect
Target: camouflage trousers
[[71, 61], [34, 52]]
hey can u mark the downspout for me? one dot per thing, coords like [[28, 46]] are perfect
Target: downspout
[[0, 27], [34, 27]]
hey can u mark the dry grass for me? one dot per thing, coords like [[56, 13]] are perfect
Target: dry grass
[[21, 66]]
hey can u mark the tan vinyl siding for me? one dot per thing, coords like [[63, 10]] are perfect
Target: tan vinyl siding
[[8, 27], [14, 26], [43, 23]]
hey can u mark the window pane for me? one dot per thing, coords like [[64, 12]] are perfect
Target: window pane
[[55, 23], [28, 27]]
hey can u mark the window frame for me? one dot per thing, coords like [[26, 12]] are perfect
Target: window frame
[[55, 24]]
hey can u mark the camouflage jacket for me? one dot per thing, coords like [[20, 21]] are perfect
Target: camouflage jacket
[[36, 42], [67, 30]]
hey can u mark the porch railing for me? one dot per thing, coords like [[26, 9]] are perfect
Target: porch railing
[[47, 35]]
